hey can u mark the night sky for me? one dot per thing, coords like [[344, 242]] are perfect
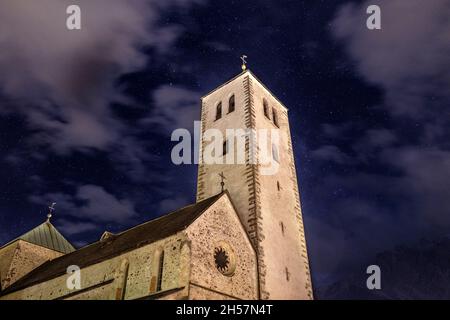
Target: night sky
[[86, 116]]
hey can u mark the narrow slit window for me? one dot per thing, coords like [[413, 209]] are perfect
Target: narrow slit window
[[219, 111], [282, 227], [231, 104], [160, 271], [225, 147], [266, 108], [278, 185], [288, 274], [275, 154], [275, 117]]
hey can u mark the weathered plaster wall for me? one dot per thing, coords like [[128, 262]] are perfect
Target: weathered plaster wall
[[221, 224], [21, 257]]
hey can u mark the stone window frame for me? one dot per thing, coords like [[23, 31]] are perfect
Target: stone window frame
[[231, 255], [266, 108], [218, 111], [160, 270], [275, 117], [231, 103]]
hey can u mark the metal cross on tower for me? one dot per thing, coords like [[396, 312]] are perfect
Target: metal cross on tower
[[244, 62], [222, 182], [50, 211]]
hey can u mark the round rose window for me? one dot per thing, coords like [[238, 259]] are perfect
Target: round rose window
[[224, 259]]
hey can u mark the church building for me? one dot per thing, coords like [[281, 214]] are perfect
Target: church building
[[242, 239]]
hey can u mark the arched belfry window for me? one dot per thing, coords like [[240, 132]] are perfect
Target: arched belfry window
[[275, 117], [219, 111], [231, 104], [266, 108]]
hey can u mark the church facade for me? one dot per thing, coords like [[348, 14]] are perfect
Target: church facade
[[242, 240]]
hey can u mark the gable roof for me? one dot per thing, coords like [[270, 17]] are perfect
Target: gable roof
[[46, 235], [117, 244]]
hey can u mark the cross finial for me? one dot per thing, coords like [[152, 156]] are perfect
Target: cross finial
[[244, 62], [50, 211], [222, 182]]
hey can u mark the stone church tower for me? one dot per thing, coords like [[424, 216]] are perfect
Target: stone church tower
[[242, 239], [268, 204]]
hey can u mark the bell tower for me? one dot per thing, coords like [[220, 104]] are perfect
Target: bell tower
[[268, 203]]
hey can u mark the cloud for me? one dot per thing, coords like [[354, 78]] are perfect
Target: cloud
[[171, 204], [353, 218], [372, 141], [331, 153], [335, 130], [175, 107], [409, 58], [426, 180], [80, 243], [43, 55], [396, 189], [62, 81], [362, 213], [380, 137], [70, 228], [92, 203], [218, 46]]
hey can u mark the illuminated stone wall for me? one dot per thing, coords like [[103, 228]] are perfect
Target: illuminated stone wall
[[268, 205], [220, 227], [189, 270], [19, 258]]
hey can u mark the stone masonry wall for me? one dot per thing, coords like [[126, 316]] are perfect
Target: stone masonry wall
[[285, 258], [21, 257], [271, 217], [220, 224], [128, 276]]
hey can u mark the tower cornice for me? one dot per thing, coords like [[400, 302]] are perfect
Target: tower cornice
[[249, 72]]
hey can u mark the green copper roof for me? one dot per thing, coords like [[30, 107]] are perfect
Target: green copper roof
[[47, 236]]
